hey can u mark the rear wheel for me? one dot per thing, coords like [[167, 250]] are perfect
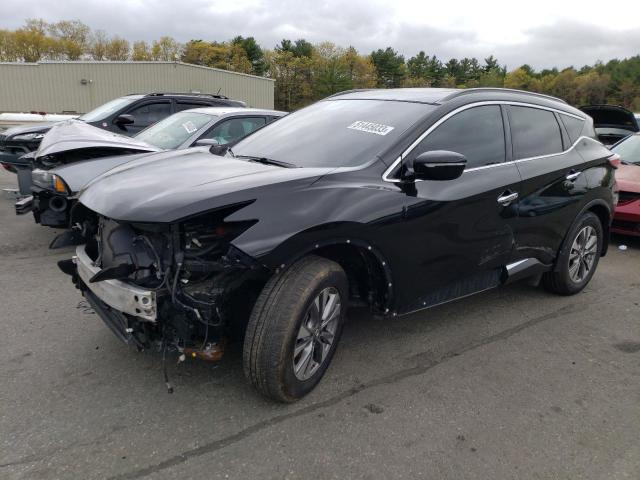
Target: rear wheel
[[578, 258], [294, 328]]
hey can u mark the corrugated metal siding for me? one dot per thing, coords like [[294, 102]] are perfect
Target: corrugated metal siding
[[56, 86]]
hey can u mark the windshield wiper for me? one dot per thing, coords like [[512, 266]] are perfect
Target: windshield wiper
[[267, 161]]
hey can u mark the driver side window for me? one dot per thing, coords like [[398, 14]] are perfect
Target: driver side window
[[234, 129], [149, 113], [477, 133]]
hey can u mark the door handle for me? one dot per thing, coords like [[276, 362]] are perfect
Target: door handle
[[572, 175], [507, 198]]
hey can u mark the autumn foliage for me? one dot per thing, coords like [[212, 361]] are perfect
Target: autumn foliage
[[306, 72]]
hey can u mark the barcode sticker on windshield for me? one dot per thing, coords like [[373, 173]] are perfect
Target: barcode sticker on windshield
[[189, 126], [370, 127]]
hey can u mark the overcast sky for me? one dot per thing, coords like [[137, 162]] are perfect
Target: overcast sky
[[544, 34]]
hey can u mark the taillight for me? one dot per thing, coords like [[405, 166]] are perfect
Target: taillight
[[614, 160]]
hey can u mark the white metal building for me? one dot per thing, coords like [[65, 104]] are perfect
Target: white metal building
[[57, 87]]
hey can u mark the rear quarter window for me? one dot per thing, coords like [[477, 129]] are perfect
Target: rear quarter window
[[573, 125], [534, 132]]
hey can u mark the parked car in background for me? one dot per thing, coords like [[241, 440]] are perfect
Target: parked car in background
[[73, 153], [612, 123], [627, 214], [126, 115], [398, 199]]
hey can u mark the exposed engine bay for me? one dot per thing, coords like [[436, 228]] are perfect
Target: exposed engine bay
[[201, 287]]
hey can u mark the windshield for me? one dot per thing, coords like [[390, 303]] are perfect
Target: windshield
[[629, 149], [173, 131], [333, 133], [103, 111]]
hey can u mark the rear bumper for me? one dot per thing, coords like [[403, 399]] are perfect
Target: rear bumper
[[120, 296]]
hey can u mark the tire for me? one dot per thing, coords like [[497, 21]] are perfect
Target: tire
[[563, 279], [275, 338]]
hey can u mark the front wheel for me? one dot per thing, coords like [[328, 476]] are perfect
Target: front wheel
[[578, 259], [294, 328]]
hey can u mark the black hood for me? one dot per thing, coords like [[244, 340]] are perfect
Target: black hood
[[168, 186]]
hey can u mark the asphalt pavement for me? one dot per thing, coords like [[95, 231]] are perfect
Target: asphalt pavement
[[515, 383]]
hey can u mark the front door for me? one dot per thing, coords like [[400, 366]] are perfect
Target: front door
[[459, 234]]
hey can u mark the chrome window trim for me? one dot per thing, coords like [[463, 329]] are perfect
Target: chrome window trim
[[403, 155]]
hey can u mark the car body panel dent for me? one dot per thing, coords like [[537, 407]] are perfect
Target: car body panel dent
[[76, 135]]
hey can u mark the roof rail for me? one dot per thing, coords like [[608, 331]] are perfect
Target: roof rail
[[343, 92], [464, 91], [187, 94]]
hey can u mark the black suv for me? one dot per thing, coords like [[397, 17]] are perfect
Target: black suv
[[398, 199], [126, 115]]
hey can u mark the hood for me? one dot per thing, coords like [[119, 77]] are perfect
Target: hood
[[628, 178], [611, 116], [169, 186], [24, 129], [78, 135], [77, 175]]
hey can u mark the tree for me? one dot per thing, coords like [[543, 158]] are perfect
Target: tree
[[360, 68], [73, 38], [564, 85], [8, 51], [166, 49], [141, 52], [291, 73], [330, 70], [301, 47], [424, 71], [390, 67], [227, 56], [98, 46], [31, 42], [118, 49], [518, 79], [491, 64], [199, 52], [254, 53]]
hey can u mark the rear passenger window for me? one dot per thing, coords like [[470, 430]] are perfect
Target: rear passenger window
[[573, 125], [477, 133], [534, 132], [180, 106]]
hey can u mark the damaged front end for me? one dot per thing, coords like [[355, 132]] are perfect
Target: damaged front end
[[180, 286]]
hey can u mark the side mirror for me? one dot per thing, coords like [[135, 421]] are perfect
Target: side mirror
[[436, 165], [124, 119], [206, 142]]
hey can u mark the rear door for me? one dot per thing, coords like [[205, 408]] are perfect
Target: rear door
[[458, 234], [553, 179]]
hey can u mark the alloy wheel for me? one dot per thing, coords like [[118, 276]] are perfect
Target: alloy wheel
[[583, 254], [317, 333]]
